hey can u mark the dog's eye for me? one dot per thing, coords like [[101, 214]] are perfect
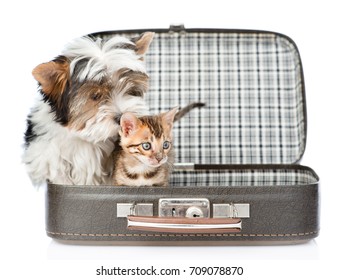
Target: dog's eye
[[135, 91], [96, 96]]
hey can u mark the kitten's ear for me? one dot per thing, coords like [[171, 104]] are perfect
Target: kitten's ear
[[143, 42], [168, 117], [129, 124]]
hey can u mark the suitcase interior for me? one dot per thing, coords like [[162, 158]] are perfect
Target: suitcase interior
[[252, 84], [242, 147]]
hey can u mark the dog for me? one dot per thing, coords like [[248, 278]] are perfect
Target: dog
[[72, 128]]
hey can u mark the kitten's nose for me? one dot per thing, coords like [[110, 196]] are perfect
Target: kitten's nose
[[158, 157]]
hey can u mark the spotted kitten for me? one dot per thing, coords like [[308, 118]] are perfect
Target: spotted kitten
[[146, 154]]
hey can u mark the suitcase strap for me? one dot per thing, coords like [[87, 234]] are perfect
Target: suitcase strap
[[184, 225]]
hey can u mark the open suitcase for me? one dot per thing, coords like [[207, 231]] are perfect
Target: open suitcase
[[236, 177]]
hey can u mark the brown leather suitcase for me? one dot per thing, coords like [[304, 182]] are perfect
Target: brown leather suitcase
[[237, 177]]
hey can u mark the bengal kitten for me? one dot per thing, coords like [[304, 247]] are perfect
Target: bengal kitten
[[146, 153]]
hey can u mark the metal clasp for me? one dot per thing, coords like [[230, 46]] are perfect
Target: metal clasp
[[184, 207], [231, 210], [139, 209]]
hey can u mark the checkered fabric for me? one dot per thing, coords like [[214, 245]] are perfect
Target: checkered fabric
[[243, 177], [252, 85]]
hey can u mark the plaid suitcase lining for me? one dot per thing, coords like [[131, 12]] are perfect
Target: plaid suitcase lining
[[253, 89], [246, 177]]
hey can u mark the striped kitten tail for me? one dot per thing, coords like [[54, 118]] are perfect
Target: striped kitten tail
[[182, 112]]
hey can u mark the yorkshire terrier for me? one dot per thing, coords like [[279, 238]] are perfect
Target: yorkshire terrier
[[72, 128]]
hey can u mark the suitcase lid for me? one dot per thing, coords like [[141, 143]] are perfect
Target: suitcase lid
[[252, 84]]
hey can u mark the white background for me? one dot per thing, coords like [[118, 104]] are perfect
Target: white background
[[33, 32]]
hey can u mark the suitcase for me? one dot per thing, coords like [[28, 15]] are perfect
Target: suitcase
[[236, 178]]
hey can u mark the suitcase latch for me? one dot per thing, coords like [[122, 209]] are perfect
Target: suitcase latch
[[134, 209], [231, 210], [184, 207]]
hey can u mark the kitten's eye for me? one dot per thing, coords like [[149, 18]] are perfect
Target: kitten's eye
[[166, 145], [146, 146]]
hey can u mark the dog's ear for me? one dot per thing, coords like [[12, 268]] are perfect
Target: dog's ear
[[53, 76], [143, 42]]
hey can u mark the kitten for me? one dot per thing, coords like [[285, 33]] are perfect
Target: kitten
[[146, 154]]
